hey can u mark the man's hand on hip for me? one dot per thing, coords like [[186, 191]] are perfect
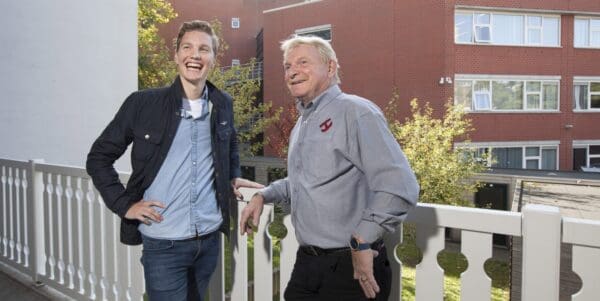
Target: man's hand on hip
[[362, 261], [252, 210], [144, 212]]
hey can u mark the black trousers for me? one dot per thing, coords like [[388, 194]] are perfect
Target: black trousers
[[330, 277]]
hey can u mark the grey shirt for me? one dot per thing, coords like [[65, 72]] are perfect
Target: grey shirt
[[346, 173]]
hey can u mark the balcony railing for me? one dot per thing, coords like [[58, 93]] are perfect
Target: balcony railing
[[56, 229]]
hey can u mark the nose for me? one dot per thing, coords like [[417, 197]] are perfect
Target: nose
[[291, 72]]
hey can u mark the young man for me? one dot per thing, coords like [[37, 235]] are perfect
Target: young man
[[348, 182], [185, 170]]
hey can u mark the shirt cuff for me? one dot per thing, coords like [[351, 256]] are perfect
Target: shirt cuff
[[369, 231], [268, 194]]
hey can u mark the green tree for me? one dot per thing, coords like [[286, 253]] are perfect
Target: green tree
[[155, 64], [443, 171], [243, 82]]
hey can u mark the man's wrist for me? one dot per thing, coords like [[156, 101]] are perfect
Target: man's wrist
[[358, 244]]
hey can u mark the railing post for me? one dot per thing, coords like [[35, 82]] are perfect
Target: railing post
[[541, 253], [36, 218]]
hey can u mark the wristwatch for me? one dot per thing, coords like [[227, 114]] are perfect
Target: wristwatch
[[355, 245]]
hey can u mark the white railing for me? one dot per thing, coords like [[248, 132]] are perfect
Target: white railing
[[56, 229]]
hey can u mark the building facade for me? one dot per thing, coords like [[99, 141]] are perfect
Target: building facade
[[527, 72]]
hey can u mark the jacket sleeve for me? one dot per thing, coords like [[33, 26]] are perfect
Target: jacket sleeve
[[234, 155], [389, 176], [107, 148]]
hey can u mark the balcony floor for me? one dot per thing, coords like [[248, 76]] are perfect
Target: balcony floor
[[13, 290]]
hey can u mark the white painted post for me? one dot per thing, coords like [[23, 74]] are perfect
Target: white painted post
[[287, 256], [541, 253], [36, 218], [263, 257], [475, 283], [239, 245], [393, 240], [429, 276]]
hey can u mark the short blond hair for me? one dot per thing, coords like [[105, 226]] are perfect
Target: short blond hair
[[323, 47]]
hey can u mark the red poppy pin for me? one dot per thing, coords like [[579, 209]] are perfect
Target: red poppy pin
[[326, 125]]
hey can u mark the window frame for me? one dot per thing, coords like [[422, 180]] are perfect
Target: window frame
[[578, 80], [543, 80], [524, 30], [314, 29], [586, 144], [590, 30], [488, 147], [235, 22]]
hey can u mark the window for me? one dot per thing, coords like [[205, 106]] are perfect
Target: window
[[587, 32], [503, 28], [235, 62], [498, 93], [586, 154], [323, 31], [463, 24], [482, 28], [509, 155], [586, 94], [235, 22], [482, 95]]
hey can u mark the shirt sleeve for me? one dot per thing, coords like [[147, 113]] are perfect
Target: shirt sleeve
[[277, 192], [393, 184]]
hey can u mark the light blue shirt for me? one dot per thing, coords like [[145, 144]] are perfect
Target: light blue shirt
[[184, 182]]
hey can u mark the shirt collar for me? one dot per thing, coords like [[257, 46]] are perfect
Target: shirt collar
[[205, 105], [323, 98]]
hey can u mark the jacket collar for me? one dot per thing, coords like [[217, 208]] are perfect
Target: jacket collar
[[215, 96]]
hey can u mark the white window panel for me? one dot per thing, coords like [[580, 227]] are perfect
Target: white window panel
[[582, 33], [534, 30], [235, 22], [482, 28], [587, 32], [550, 32], [508, 93], [463, 27], [482, 96], [595, 32], [507, 28], [533, 95], [580, 96], [550, 96], [322, 31]]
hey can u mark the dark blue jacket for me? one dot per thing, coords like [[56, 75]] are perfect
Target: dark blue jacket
[[149, 119]]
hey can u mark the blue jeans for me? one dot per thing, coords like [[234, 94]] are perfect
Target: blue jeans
[[179, 270]]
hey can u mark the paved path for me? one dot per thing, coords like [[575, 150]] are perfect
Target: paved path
[[12, 290]]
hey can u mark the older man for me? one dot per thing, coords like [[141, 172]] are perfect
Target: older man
[[348, 182]]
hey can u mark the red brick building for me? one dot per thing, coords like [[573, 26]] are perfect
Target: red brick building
[[527, 71]]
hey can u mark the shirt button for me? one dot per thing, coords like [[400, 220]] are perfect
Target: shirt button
[[194, 163], [146, 136]]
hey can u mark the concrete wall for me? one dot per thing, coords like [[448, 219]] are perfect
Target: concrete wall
[[66, 66]]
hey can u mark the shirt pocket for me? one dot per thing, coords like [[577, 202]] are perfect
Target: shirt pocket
[[145, 143], [319, 158]]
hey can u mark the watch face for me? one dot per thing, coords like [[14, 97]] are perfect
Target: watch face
[[353, 243]]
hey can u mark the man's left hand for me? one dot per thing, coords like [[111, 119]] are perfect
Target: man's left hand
[[362, 261], [239, 182]]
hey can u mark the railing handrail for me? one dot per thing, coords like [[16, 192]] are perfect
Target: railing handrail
[[53, 219]]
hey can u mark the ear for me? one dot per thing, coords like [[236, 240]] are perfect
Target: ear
[[332, 68]]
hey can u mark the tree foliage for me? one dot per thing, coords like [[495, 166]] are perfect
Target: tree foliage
[[155, 65], [243, 83], [156, 69], [443, 171]]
